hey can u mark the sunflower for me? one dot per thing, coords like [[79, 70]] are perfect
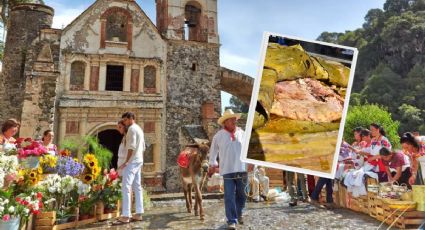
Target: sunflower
[[88, 178], [21, 172], [89, 158], [33, 174], [95, 171], [34, 181], [39, 170]]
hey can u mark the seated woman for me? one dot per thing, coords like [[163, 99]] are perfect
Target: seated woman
[[47, 142], [414, 150], [362, 151], [379, 140], [397, 169], [9, 129]]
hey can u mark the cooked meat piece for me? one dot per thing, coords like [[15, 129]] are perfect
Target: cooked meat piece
[[307, 100]]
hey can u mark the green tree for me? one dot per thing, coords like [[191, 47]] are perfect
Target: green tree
[[238, 106], [364, 115], [329, 37], [391, 65], [383, 87], [410, 118]]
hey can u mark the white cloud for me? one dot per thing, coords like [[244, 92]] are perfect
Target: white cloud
[[65, 17], [238, 63]]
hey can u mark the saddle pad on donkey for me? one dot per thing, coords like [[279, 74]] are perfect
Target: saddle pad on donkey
[[183, 159]]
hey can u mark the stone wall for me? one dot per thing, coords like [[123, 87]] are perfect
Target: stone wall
[[41, 74], [192, 80], [25, 22]]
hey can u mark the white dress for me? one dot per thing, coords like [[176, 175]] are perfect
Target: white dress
[[122, 156]]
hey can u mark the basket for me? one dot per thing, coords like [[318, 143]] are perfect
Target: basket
[[419, 196], [400, 204]]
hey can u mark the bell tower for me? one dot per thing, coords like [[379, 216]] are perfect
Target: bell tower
[[192, 20]]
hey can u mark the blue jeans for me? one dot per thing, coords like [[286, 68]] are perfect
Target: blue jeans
[[320, 183], [234, 195]]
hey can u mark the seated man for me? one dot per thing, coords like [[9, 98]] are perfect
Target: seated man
[[259, 183]]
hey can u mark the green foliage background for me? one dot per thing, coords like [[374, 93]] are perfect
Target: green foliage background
[[391, 64]]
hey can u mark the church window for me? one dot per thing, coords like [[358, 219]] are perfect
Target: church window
[[116, 27], [149, 79], [77, 75], [114, 78]]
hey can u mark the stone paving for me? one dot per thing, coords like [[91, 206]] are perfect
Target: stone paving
[[172, 215]]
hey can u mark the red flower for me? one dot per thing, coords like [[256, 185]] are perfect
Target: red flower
[[39, 195], [113, 175], [6, 217], [82, 198]]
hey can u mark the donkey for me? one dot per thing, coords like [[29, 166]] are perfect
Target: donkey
[[194, 158]]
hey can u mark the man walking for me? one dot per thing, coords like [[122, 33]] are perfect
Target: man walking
[[132, 170], [227, 145]]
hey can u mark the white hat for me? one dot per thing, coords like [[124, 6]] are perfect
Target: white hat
[[228, 114]]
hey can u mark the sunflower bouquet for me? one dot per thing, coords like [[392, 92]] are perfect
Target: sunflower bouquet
[[30, 177], [48, 163], [92, 169]]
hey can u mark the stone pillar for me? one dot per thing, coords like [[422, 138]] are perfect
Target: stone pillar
[[62, 130], [102, 76], [158, 79], [67, 76], [141, 78], [87, 72], [157, 147], [83, 126], [127, 77]]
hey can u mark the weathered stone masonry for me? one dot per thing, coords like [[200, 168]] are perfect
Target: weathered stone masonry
[[192, 80]]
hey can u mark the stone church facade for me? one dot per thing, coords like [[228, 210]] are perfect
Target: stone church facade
[[112, 58]]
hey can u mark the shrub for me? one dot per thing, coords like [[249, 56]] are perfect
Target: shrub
[[364, 115]]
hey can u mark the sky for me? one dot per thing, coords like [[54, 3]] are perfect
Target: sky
[[241, 23]]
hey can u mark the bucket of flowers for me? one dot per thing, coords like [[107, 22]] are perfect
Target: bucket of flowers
[[48, 164], [29, 152], [8, 169], [108, 189], [63, 194], [15, 210]]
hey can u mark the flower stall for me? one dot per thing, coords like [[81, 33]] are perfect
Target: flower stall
[[58, 191]]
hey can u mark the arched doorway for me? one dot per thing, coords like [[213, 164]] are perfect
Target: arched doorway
[[111, 139]]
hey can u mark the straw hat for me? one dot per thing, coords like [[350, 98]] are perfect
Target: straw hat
[[228, 114]]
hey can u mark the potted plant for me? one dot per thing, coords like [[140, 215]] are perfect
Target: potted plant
[[9, 212], [63, 215], [15, 209], [110, 190]]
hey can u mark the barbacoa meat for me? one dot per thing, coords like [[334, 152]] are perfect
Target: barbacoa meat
[[307, 100]]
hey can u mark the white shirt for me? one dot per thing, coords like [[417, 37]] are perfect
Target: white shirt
[[135, 141], [228, 151]]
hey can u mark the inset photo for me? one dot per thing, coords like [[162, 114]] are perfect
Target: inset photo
[[298, 106]]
